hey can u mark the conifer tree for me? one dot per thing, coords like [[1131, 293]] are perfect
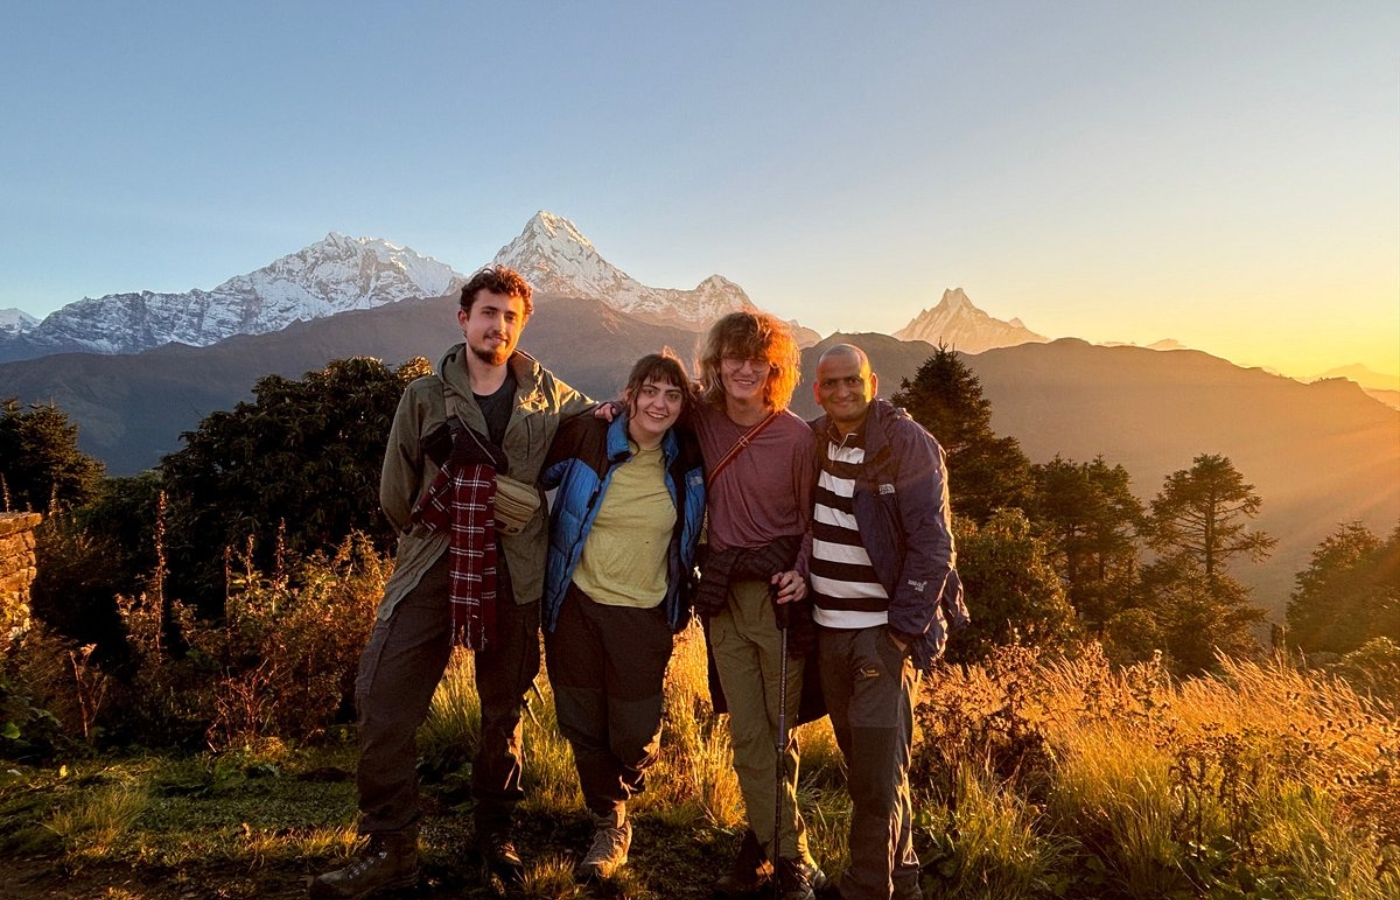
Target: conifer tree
[[1091, 520], [1199, 523], [40, 463], [985, 472], [1348, 594]]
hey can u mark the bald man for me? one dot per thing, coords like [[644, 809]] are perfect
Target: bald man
[[884, 592]]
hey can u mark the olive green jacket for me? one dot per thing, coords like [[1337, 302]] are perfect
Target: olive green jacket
[[541, 400]]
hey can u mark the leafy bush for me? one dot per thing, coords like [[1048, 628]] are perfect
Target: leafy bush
[[281, 662]]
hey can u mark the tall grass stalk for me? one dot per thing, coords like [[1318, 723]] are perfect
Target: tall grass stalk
[[96, 823], [452, 731], [1000, 853]]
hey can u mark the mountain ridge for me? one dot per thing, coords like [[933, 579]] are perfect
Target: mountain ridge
[[335, 274]]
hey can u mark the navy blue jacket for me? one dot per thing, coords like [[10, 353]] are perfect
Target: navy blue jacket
[[901, 508], [580, 464]]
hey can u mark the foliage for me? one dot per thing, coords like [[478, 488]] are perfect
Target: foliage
[[280, 662], [1034, 777], [40, 463], [1349, 594], [1199, 523], [301, 462], [29, 732], [1013, 593], [1201, 514], [82, 567], [986, 472], [1197, 618], [1091, 520], [1374, 669]]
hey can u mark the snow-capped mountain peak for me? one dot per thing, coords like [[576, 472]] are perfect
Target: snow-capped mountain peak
[[555, 257], [16, 321], [960, 325], [333, 275]]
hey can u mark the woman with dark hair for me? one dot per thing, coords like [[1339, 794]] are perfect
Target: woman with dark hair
[[623, 534]]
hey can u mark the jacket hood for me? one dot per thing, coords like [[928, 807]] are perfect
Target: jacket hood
[[452, 369]]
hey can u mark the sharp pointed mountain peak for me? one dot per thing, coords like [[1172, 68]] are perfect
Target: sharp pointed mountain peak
[[548, 226], [954, 298], [958, 323], [556, 258]]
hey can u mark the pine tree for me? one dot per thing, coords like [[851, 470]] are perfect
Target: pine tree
[[40, 463], [985, 472], [1199, 523], [1092, 521]]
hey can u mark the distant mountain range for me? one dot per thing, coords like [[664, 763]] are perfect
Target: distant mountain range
[[331, 276], [340, 274], [15, 321], [1319, 454]]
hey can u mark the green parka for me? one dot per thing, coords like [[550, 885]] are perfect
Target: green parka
[[541, 400]]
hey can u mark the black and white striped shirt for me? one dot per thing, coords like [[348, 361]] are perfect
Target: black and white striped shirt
[[846, 591]]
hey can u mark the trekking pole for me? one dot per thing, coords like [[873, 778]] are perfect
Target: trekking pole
[[782, 617]]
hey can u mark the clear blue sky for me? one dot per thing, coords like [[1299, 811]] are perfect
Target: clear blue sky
[[1222, 173]]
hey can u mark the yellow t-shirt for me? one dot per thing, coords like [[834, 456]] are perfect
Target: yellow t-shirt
[[624, 558]]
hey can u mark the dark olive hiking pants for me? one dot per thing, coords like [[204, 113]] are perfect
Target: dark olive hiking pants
[[869, 686], [400, 669]]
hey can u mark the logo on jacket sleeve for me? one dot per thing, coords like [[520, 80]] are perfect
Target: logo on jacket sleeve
[[886, 489], [918, 586]]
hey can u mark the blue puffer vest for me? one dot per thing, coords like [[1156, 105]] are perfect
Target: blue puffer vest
[[580, 465]]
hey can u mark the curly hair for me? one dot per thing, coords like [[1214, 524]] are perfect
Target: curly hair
[[752, 335], [498, 280]]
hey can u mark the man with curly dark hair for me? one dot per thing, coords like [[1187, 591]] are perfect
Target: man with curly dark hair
[[490, 413]]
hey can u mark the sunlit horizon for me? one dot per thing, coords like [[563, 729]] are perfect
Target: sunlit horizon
[[1223, 175]]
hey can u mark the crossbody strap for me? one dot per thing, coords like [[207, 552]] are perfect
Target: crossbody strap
[[741, 444]]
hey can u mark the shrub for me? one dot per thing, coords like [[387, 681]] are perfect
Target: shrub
[[280, 663]]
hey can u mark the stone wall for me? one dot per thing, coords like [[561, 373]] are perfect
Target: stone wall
[[16, 571]]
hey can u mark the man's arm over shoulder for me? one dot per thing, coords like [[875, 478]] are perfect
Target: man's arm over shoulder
[[570, 402]]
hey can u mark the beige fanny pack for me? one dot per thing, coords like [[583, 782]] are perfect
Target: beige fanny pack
[[516, 503]]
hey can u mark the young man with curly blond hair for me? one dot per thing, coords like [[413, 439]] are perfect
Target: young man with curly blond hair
[[760, 469]]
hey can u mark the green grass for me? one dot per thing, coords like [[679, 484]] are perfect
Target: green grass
[[1034, 779]]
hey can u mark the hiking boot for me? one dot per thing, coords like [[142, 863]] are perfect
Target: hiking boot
[[609, 851], [799, 879], [751, 871], [501, 868], [388, 863]]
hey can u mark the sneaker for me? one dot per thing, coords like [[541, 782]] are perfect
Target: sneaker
[[751, 871], [501, 867], [609, 850], [799, 879], [388, 863]]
